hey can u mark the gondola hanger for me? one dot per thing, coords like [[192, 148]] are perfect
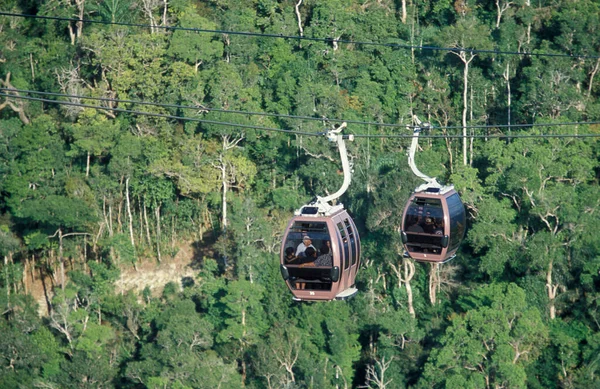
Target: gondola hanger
[[320, 251], [434, 218], [320, 205], [430, 183]]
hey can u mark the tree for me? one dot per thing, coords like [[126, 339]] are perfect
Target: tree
[[64, 214], [490, 344], [243, 319], [93, 135], [192, 47], [466, 34]]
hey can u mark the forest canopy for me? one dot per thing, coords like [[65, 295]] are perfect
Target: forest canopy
[[135, 133]]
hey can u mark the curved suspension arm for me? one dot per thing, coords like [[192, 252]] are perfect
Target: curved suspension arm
[[334, 136], [322, 203], [413, 149]]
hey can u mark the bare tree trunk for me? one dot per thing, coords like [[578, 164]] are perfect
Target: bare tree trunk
[[299, 18], [506, 76], [147, 224], [464, 113], [148, 8], [501, 8], [552, 289], [87, 165], [141, 215], [471, 138], [434, 282], [32, 67], [24, 278], [129, 213], [81, 8], [164, 18], [6, 280], [19, 106], [61, 259], [224, 199], [157, 213], [592, 74], [403, 17], [107, 217], [409, 272], [32, 268]]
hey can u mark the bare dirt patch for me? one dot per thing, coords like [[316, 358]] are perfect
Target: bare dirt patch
[[156, 275], [150, 273]]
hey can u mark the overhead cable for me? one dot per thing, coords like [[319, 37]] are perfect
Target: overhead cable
[[304, 38], [286, 116], [254, 127]]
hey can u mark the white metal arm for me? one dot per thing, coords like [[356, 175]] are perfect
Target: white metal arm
[[334, 136], [323, 202], [429, 182], [412, 151]]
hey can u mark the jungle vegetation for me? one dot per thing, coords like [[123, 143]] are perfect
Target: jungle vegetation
[[87, 191]]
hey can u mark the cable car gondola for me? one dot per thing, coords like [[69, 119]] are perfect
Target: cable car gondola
[[434, 219], [320, 251]]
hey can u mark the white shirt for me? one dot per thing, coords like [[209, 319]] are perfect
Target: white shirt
[[301, 248]]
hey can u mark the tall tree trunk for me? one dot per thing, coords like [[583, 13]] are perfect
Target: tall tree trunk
[[141, 215], [61, 259], [464, 113], [224, 199], [147, 224], [32, 269], [24, 278], [592, 74], [157, 214], [405, 274], [165, 9], [552, 289], [87, 165], [297, 9], [409, 272], [6, 281], [434, 282], [129, 213], [471, 131]]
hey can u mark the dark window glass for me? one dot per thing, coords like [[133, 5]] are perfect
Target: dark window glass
[[456, 211], [317, 231], [346, 249], [352, 240], [424, 216]]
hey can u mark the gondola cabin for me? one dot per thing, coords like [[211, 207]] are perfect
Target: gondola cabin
[[433, 225], [333, 247]]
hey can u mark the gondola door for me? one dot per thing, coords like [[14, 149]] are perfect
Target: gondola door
[[345, 253], [354, 241]]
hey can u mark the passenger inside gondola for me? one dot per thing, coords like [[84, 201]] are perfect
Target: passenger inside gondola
[[414, 225], [305, 237], [324, 258], [290, 257], [306, 243], [424, 225]]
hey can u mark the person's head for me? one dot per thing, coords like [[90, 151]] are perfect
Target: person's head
[[306, 240], [289, 252], [310, 252], [325, 248]]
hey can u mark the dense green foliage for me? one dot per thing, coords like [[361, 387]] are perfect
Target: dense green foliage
[[86, 193]]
